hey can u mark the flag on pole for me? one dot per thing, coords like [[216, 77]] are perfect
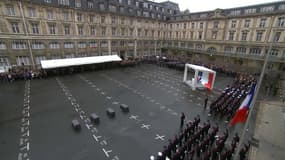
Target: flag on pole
[[241, 114]]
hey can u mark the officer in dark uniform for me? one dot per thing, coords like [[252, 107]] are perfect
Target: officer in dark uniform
[[207, 156], [205, 102], [182, 118], [198, 150], [242, 154]]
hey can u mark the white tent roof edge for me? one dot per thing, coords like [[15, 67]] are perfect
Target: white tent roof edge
[[200, 68], [57, 63]]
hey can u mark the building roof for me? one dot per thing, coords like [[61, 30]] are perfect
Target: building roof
[[57, 63], [199, 68]]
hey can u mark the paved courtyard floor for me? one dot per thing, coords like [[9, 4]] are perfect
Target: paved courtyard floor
[[35, 116]]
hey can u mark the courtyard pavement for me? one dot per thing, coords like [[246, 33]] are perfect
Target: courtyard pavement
[[270, 127], [35, 116]]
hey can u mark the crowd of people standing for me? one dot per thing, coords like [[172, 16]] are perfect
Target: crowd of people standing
[[232, 96], [202, 142]]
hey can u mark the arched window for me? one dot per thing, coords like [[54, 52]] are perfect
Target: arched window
[[211, 50]]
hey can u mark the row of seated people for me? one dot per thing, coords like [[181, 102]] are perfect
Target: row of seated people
[[28, 74], [232, 96], [199, 142], [179, 64]]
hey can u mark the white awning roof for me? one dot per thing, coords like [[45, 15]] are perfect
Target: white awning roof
[[56, 63], [200, 68]]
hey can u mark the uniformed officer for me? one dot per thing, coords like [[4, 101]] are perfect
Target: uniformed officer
[[205, 102], [182, 118]]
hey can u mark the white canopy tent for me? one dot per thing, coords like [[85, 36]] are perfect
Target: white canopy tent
[[203, 77], [56, 63]]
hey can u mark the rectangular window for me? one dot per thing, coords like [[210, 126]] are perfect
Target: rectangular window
[[262, 22], [201, 25], [129, 2], [112, 8], [103, 31], [91, 18], [67, 30], [79, 17], [131, 32], [228, 49], [250, 11], [192, 25], [19, 45], [102, 19], [23, 60], [276, 37], [68, 45], [191, 35], [241, 50], [63, 2], [81, 45], [131, 22], [54, 45], [244, 36], [77, 3], [255, 51], [267, 9], [32, 12], [233, 24], [92, 30], [113, 31], [113, 20], [280, 21], [65, 16], [235, 12], [2, 45], [145, 14], [216, 24], [4, 61], [38, 45], [92, 44], [184, 25], [122, 21], [39, 59], [102, 6], [35, 28], [246, 23], [139, 32], [214, 35], [52, 29], [11, 11], [281, 7], [231, 36], [80, 30], [90, 5], [200, 35], [15, 28], [259, 36], [50, 15], [104, 44]]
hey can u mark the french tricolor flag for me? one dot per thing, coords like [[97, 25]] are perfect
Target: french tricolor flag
[[241, 113]]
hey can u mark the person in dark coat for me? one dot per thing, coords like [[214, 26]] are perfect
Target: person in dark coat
[[205, 102], [182, 119], [242, 154]]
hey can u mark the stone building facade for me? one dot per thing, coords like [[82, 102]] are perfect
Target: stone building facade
[[33, 30]]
